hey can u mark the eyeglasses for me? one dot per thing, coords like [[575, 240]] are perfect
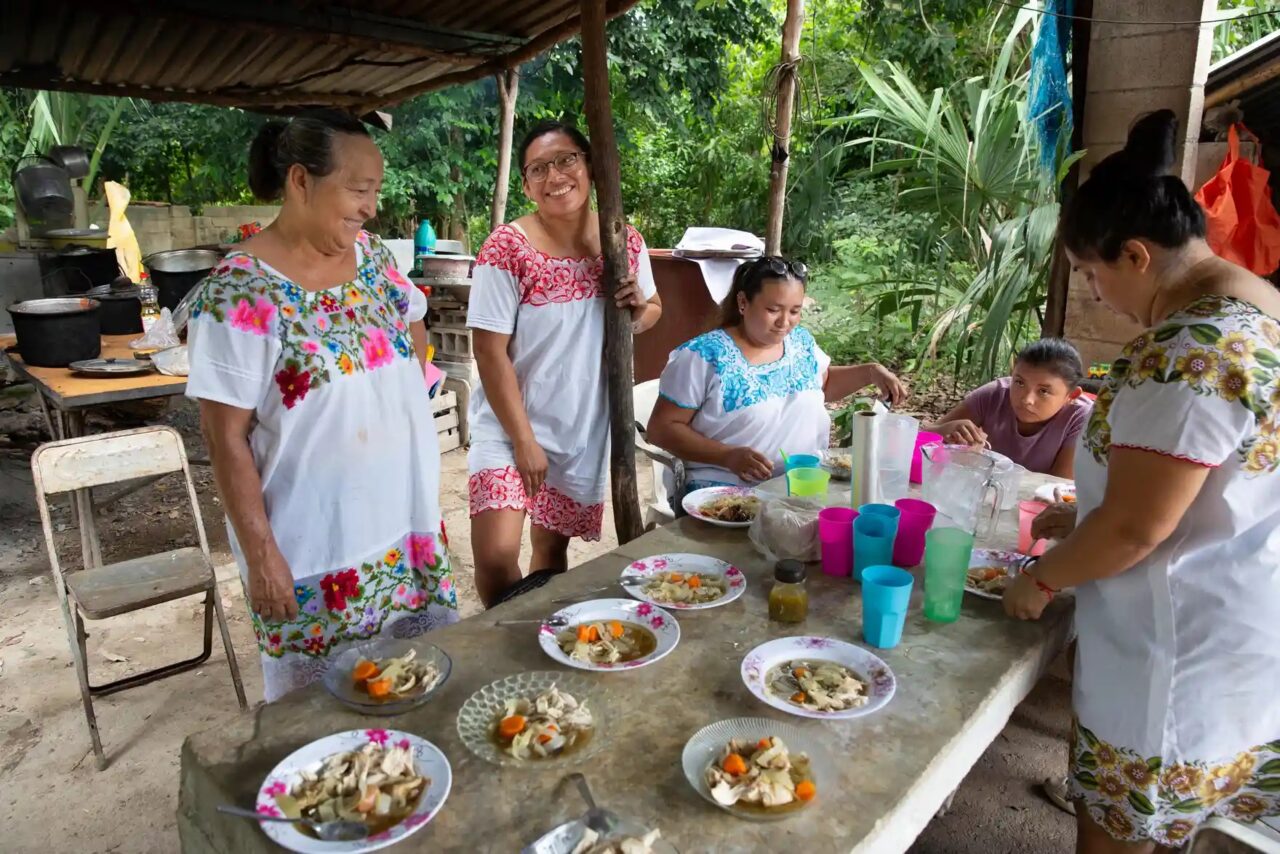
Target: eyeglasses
[[779, 266], [538, 172]]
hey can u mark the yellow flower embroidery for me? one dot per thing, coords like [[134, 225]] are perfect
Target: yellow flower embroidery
[[1113, 786], [1178, 830], [392, 557], [317, 631], [1248, 807], [1263, 456], [354, 297], [1237, 348], [1138, 774], [1234, 383], [288, 311], [1137, 345], [1181, 779], [1275, 398], [1225, 780], [345, 364], [1271, 332], [1107, 756], [1117, 823], [1151, 361], [1198, 366]]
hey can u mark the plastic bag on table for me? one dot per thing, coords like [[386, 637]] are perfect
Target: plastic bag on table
[[172, 362], [787, 529], [161, 335]]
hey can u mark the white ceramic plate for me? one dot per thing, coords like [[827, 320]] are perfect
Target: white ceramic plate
[[694, 500], [991, 557], [645, 570], [664, 627], [1045, 492], [705, 746], [427, 760], [869, 668], [481, 712]]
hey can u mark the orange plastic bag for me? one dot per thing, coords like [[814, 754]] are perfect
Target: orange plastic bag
[[1243, 224]]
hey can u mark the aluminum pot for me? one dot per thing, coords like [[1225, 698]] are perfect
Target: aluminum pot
[[177, 271], [53, 333]]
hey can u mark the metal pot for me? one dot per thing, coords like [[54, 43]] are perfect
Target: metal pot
[[79, 268], [121, 312], [53, 333], [442, 267], [177, 271]]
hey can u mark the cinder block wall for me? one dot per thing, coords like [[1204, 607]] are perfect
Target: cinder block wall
[[1135, 69], [161, 227]]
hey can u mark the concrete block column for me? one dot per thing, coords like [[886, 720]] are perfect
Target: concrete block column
[[1136, 68]]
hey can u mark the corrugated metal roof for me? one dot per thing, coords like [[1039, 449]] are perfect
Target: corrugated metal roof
[[274, 54], [1251, 76]]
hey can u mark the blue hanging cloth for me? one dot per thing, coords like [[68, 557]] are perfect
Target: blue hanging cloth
[[1049, 102]]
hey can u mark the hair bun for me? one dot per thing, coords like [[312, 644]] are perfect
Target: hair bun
[[1150, 146]]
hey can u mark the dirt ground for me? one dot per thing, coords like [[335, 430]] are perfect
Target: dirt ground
[[53, 800]]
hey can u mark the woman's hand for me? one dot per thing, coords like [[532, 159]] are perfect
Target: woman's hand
[[531, 462], [748, 464], [271, 589], [628, 294], [891, 388], [1055, 522], [1023, 600], [962, 432]]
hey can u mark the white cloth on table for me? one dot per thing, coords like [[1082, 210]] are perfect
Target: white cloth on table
[[717, 272], [775, 406]]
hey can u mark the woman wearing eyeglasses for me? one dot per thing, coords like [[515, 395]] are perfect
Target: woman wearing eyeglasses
[[540, 421], [732, 397]]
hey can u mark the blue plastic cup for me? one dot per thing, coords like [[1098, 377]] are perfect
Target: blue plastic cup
[[888, 511], [873, 536], [803, 461], [886, 591]]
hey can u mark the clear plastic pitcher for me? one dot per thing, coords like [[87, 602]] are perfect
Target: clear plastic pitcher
[[896, 447], [956, 481]]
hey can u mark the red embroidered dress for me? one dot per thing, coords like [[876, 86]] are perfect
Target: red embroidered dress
[[553, 309]]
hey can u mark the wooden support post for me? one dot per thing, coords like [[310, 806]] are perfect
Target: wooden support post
[[618, 355], [508, 88], [1055, 309], [780, 145]]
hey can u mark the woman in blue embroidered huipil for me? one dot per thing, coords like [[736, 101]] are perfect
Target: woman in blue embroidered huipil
[[735, 396]]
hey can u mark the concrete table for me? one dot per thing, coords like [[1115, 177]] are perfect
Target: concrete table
[[957, 686]]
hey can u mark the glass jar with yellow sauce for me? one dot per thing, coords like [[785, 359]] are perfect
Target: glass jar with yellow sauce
[[788, 598]]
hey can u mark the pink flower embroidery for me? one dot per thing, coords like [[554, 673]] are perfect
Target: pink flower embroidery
[[645, 610], [377, 349], [422, 550], [277, 788], [377, 736], [267, 809], [445, 585], [657, 622], [400, 325], [322, 323], [241, 262], [254, 318], [311, 346], [397, 277]]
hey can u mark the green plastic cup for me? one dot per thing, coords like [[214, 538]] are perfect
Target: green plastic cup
[[808, 481], [946, 565]]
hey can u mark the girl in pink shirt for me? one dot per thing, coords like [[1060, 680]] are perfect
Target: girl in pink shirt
[[1032, 417]]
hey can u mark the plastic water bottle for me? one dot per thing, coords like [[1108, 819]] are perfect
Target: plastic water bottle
[[424, 242]]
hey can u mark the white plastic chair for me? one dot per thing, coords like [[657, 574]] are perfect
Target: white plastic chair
[[98, 592], [668, 471], [1220, 835]]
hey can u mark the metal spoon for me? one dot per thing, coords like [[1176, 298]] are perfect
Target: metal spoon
[[329, 831], [553, 622], [600, 820]]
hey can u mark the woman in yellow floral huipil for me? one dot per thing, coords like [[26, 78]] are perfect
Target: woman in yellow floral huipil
[[1176, 558]]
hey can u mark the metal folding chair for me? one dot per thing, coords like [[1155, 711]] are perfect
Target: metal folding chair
[[668, 470], [98, 592]]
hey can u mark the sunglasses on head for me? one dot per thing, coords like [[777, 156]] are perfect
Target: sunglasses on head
[[779, 266]]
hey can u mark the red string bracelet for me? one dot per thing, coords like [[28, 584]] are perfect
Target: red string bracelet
[[1044, 588]]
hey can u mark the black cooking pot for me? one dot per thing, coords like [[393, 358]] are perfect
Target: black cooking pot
[[121, 312], [76, 269], [176, 272], [53, 333]]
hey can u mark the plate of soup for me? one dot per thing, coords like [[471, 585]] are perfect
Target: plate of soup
[[610, 634]]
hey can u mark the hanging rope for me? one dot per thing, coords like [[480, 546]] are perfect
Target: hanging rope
[[807, 94]]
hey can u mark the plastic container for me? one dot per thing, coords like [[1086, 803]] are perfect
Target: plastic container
[[916, 519], [1027, 512], [807, 481], [895, 452], [788, 598], [946, 564], [835, 533], [886, 592], [872, 541]]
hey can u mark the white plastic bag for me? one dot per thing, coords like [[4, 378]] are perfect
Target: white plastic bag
[[787, 529], [172, 362], [161, 335]]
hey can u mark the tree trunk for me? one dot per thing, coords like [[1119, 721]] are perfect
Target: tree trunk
[[508, 89], [618, 356], [458, 213], [781, 143]]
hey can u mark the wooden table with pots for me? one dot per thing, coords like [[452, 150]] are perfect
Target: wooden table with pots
[[66, 396], [957, 685]]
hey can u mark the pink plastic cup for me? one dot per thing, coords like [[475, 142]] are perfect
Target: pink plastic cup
[[835, 533], [922, 439], [1027, 512], [916, 520]]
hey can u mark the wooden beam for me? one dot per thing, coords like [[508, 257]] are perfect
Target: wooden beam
[[1055, 309], [780, 145], [1242, 84], [618, 353], [508, 89]]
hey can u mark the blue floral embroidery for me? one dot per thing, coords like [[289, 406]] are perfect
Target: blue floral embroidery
[[743, 384], [293, 292]]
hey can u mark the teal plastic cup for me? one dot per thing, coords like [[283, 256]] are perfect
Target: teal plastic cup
[[946, 564], [803, 461], [886, 592], [873, 536]]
